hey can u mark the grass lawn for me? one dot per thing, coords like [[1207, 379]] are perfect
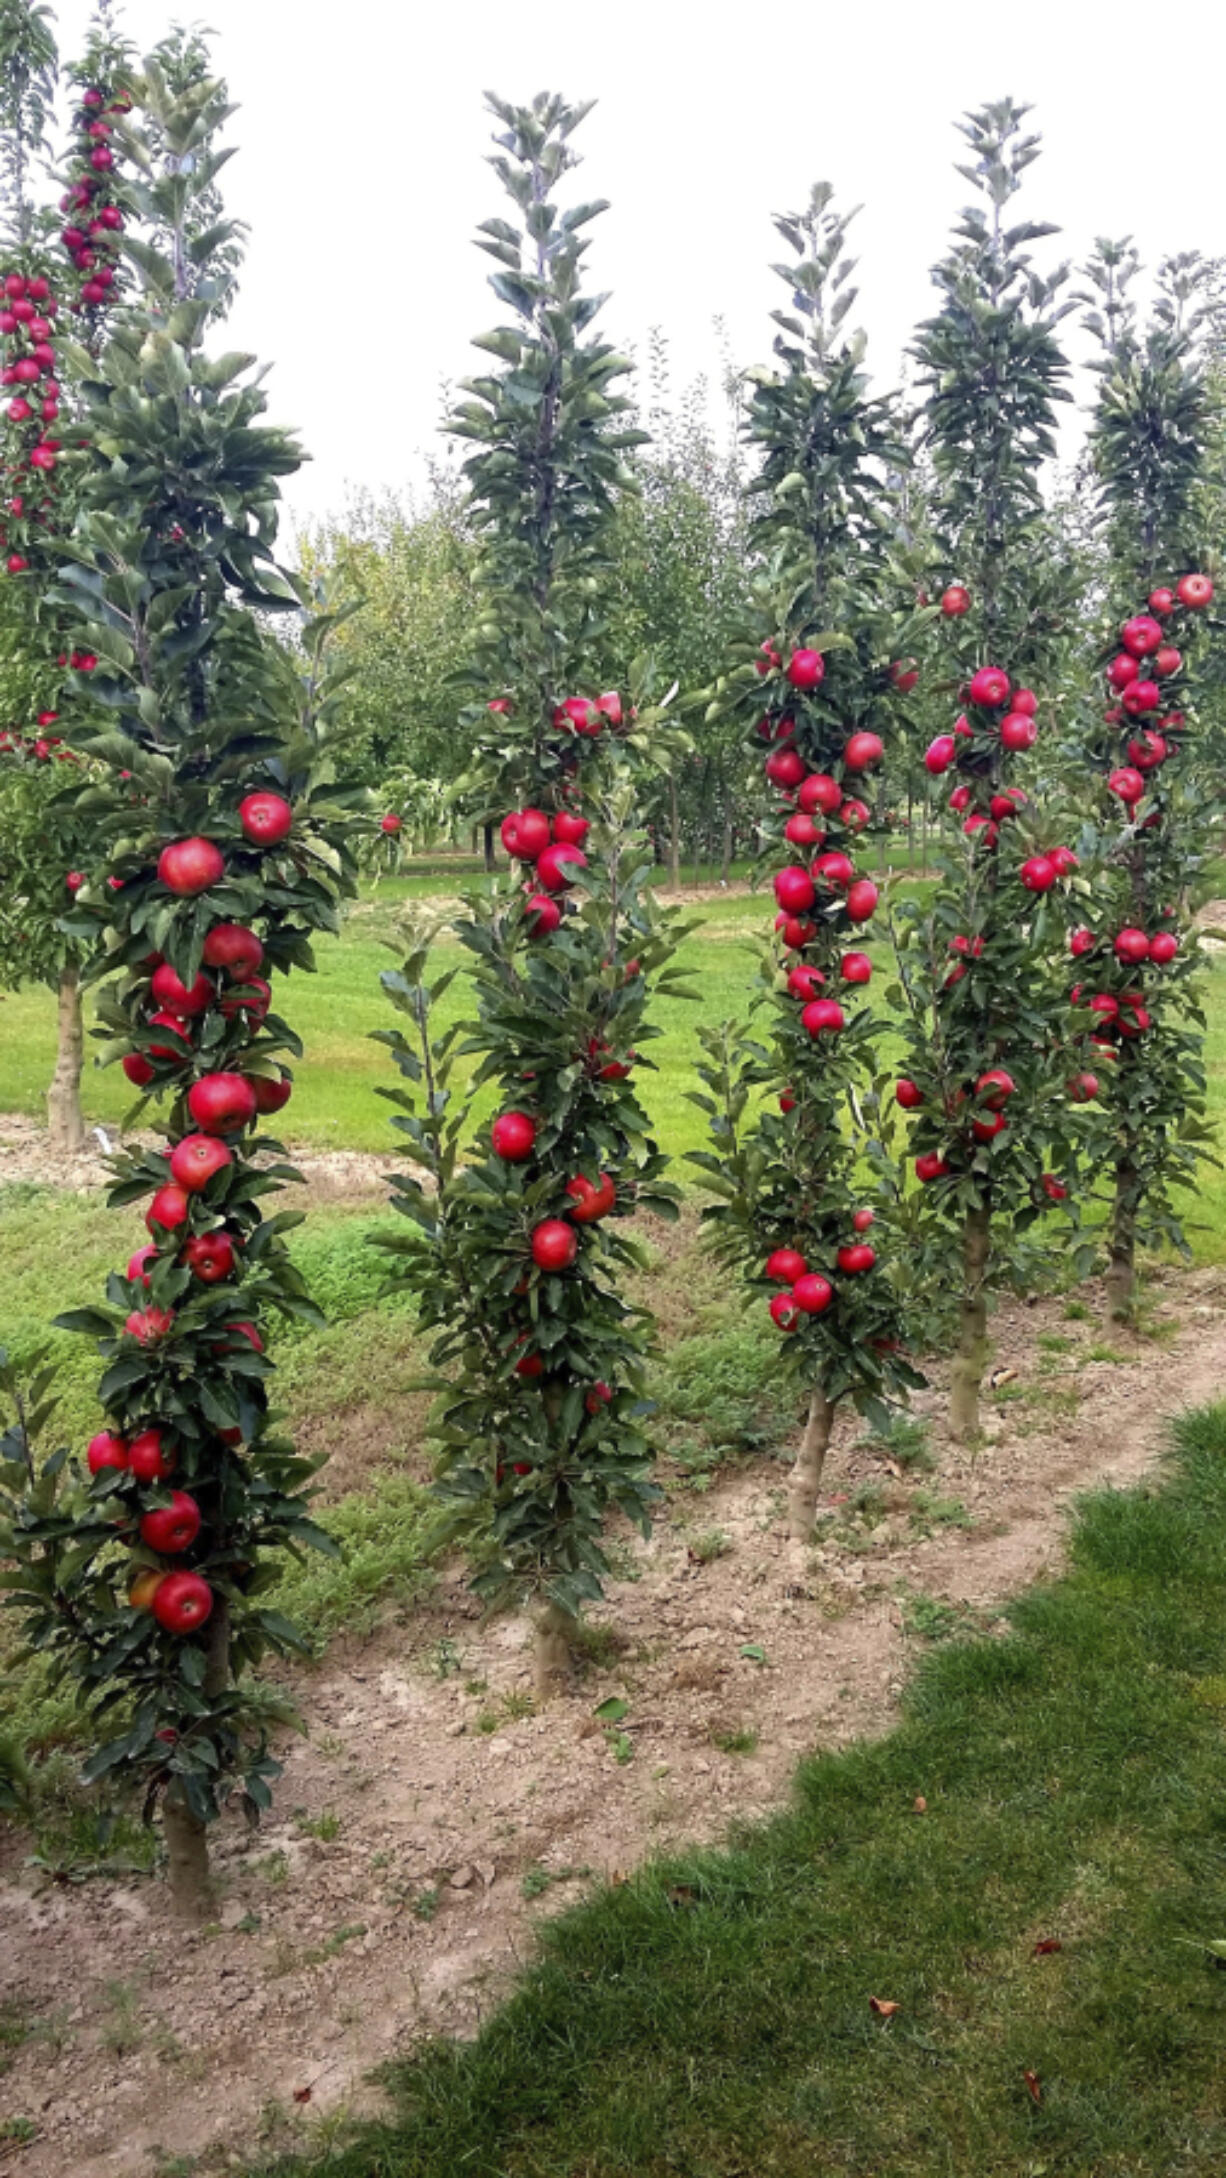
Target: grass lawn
[[1044, 1928]]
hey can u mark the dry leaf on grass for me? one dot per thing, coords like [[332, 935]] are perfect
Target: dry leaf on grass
[[884, 2007], [1033, 2089]]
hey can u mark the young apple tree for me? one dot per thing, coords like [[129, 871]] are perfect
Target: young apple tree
[[226, 840], [519, 1241], [1159, 812], [986, 1011], [815, 700]]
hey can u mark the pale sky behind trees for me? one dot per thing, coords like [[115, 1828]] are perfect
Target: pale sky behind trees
[[362, 134]]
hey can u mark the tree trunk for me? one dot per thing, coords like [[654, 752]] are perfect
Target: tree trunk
[[64, 1122], [806, 1477], [1121, 1264], [924, 838], [489, 846], [674, 838], [973, 1328], [551, 1656], [187, 1838], [725, 852], [910, 829]]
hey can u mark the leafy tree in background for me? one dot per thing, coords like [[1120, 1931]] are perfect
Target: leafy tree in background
[[516, 1254]]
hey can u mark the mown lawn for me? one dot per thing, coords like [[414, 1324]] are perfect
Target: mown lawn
[[1051, 1930]]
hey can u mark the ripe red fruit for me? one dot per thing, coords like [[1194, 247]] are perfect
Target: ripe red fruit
[[785, 1266], [577, 715], [196, 1160], [1141, 635], [1132, 944], [148, 1325], [182, 1602], [1054, 1190], [794, 889], [856, 1258], [862, 1220], [169, 1208], [1128, 784], [174, 996], [939, 754], [271, 1096], [245, 1334], [796, 931], [525, 834], [1122, 671], [16, 564], [1134, 1017], [189, 866], [995, 1087], [1194, 591], [856, 968], [806, 669], [233, 946], [1163, 948], [1038, 873], [785, 768], [834, 869], [823, 1017], [1080, 942], [137, 1068], [784, 1312], [600, 1395], [805, 982], [558, 866], [769, 661], [543, 915], [391, 823], [989, 687], [819, 792], [862, 751], [253, 996], [149, 1458], [530, 1365], [1025, 700], [1083, 1088], [987, 1128], [862, 898], [554, 1245], [955, 601], [854, 814], [908, 1095], [221, 1103], [959, 799], [1162, 601], [904, 674], [591, 1202], [570, 829], [1142, 698], [813, 1293], [210, 1257], [266, 818], [610, 707], [930, 1166], [1063, 861], [1167, 661], [1018, 732], [107, 1451], [801, 831], [513, 1136], [177, 1027]]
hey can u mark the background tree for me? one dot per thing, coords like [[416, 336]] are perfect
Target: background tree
[[985, 1006], [226, 837], [516, 1254], [819, 690], [1157, 746]]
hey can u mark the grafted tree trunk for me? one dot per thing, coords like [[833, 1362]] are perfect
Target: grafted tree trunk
[[806, 1477], [64, 1122], [552, 1652], [489, 846], [187, 1839], [674, 835], [725, 852], [1121, 1264], [973, 1328]]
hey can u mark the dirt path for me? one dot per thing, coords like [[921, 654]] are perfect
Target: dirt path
[[432, 1817], [331, 1175]]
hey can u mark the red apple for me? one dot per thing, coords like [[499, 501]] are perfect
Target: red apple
[[513, 1136], [148, 1325], [955, 601], [823, 1017], [862, 898], [1127, 784], [169, 1209], [784, 1266], [391, 823], [600, 1395], [197, 1159], [796, 931], [805, 982], [806, 669], [785, 768], [253, 996], [1162, 602], [182, 1602], [525, 834], [1132, 944], [859, 1257], [939, 754], [1063, 861], [904, 673], [174, 996], [266, 818], [770, 661], [819, 792], [1167, 662], [959, 799], [1053, 1188], [570, 829], [233, 946], [930, 1166], [988, 1127], [1081, 942], [856, 968], [862, 751], [106, 1450], [1140, 635], [1163, 948], [137, 1068], [1018, 732], [1083, 1088], [1142, 698], [145, 1587], [794, 889], [591, 1202], [221, 1103], [995, 1087], [908, 1095], [557, 867], [1025, 701], [189, 866], [542, 914], [151, 1460], [834, 869], [174, 1052], [801, 831], [554, 1245], [271, 1096], [1123, 671], [854, 814], [813, 1293], [1038, 873], [862, 1220], [610, 707], [989, 687], [210, 1257], [1194, 591], [784, 1312]]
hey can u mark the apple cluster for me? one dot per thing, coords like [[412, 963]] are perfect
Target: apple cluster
[[552, 847], [28, 310], [1139, 681], [90, 203]]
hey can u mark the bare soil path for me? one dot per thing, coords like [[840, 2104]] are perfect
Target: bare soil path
[[432, 1817]]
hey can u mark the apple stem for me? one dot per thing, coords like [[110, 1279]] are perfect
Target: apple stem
[[972, 1351], [552, 1651], [806, 1477], [65, 1126]]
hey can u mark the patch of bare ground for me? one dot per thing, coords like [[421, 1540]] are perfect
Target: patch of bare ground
[[330, 1176], [432, 1817]]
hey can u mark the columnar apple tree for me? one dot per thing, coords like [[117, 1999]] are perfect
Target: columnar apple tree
[[986, 1011], [226, 843], [45, 848], [816, 699], [1160, 801], [521, 1240]]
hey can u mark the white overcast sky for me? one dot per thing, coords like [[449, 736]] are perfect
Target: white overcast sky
[[361, 172]]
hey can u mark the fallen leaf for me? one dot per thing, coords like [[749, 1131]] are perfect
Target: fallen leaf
[[884, 2007], [487, 1871], [462, 1877], [302, 2094], [1033, 2088], [1046, 1944], [892, 1468], [680, 1894], [920, 1804], [617, 1879]]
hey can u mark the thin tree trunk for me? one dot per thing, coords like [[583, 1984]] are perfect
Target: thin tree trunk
[[973, 1328], [910, 829], [187, 1838], [489, 846], [64, 1122], [725, 852], [806, 1477], [1121, 1264], [551, 1657], [674, 841], [924, 838]]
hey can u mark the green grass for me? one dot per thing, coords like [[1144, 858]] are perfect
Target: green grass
[[711, 2018]]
